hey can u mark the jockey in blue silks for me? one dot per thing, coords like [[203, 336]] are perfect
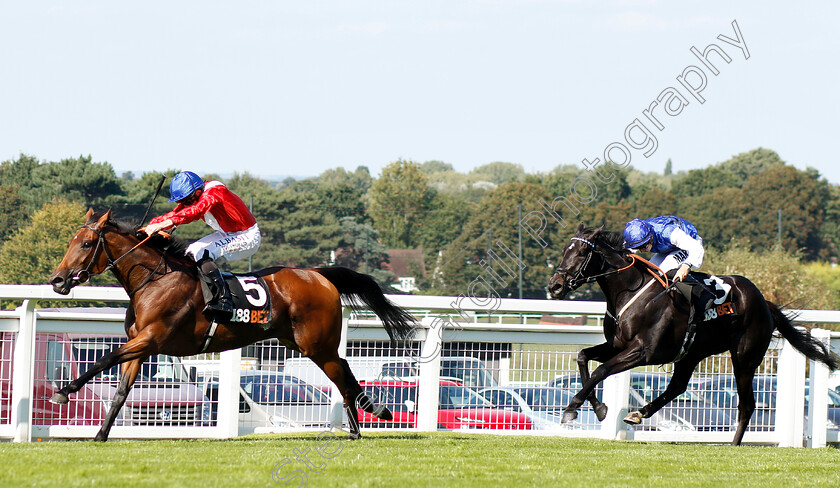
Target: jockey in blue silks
[[674, 242]]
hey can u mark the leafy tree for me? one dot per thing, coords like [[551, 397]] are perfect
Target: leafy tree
[[443, 223], [12, 213], [399, 200], [750, 163], [780, 275], [359, 248], [499, 172], [431, 167], [669, 168], [496, 219], [801, 195], [650, 201], [36, 249], [699, 182], [359, 179]]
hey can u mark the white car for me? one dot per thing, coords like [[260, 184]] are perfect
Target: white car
[[543, 405], [271, 399]]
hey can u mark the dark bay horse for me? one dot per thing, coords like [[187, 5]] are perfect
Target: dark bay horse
[[165, 311], [651, 331]]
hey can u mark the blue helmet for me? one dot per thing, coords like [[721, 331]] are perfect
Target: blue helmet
[[637, 233], [183, 185]]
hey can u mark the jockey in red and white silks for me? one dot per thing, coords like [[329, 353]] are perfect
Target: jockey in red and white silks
[[236, 236]]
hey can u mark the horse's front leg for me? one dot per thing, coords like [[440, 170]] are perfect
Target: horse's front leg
[[601, 353], [129, 375], [141, 346], [627, 359]]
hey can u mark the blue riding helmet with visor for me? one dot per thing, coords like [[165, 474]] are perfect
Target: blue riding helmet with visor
[[183, 185], [637, 233]]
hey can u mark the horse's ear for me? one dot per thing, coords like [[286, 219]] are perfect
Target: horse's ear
[[88, 215], [581, 228], [104, 219]]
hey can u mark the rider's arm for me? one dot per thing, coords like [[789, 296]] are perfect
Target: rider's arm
[[185, 214], [694, 247]]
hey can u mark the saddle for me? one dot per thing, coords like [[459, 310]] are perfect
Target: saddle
[[250, 296], [707, 295]]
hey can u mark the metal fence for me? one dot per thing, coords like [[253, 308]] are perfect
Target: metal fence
[[509, 371]]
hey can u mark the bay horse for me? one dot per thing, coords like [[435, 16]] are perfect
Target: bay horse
[[165, 316], [649, 331]]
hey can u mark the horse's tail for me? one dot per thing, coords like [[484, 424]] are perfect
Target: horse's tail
[[358, 287], [802, 342]]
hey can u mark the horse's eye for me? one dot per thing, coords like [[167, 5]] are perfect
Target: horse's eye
[[87, 244]]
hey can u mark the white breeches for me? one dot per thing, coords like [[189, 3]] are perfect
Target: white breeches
[[667, 262], [224, 246]]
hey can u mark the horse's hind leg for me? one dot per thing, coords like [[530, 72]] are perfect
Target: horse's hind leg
[[333, 367], [129, 374], [601, 353], [676, 387], [362, 400]]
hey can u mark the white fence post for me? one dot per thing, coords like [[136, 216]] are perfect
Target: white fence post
[[815, 430], [617, 400], [428, 394], [22, 381], [228, 410], [337, 410], [790, 396]]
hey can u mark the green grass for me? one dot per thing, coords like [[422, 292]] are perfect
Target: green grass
[[402, 460]]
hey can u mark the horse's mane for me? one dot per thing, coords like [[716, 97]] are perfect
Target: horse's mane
[[173, 246], [613, 239]]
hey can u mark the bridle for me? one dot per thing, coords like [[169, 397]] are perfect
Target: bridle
[[574, 281], [85, 274]]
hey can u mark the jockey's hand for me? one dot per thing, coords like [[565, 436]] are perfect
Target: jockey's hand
[[152, 229], [682, 272]]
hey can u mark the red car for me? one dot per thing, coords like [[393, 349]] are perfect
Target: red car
[[459, 407]]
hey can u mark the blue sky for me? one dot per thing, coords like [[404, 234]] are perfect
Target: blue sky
[[295, 88]]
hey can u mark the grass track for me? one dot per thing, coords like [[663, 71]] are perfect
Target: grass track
[[408, 460]]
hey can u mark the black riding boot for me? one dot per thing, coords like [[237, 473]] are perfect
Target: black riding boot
[[220, 305], [699, 298]]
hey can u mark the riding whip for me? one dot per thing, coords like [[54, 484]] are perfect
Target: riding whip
[[157, 192]]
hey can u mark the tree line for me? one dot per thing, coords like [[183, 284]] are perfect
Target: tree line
[[467, 224]]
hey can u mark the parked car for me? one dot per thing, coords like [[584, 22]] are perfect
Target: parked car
[[722, 392], [542, 405], [459, 407], [162, 394], [686, 412], [271, 399]]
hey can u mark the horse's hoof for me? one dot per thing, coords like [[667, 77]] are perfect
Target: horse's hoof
[[354, 436], [634, 418], [59, 399], [601, 412], [383, 413], [569, 416], [100, 437]]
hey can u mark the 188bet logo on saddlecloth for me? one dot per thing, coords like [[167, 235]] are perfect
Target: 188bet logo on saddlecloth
[[250, 316]]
